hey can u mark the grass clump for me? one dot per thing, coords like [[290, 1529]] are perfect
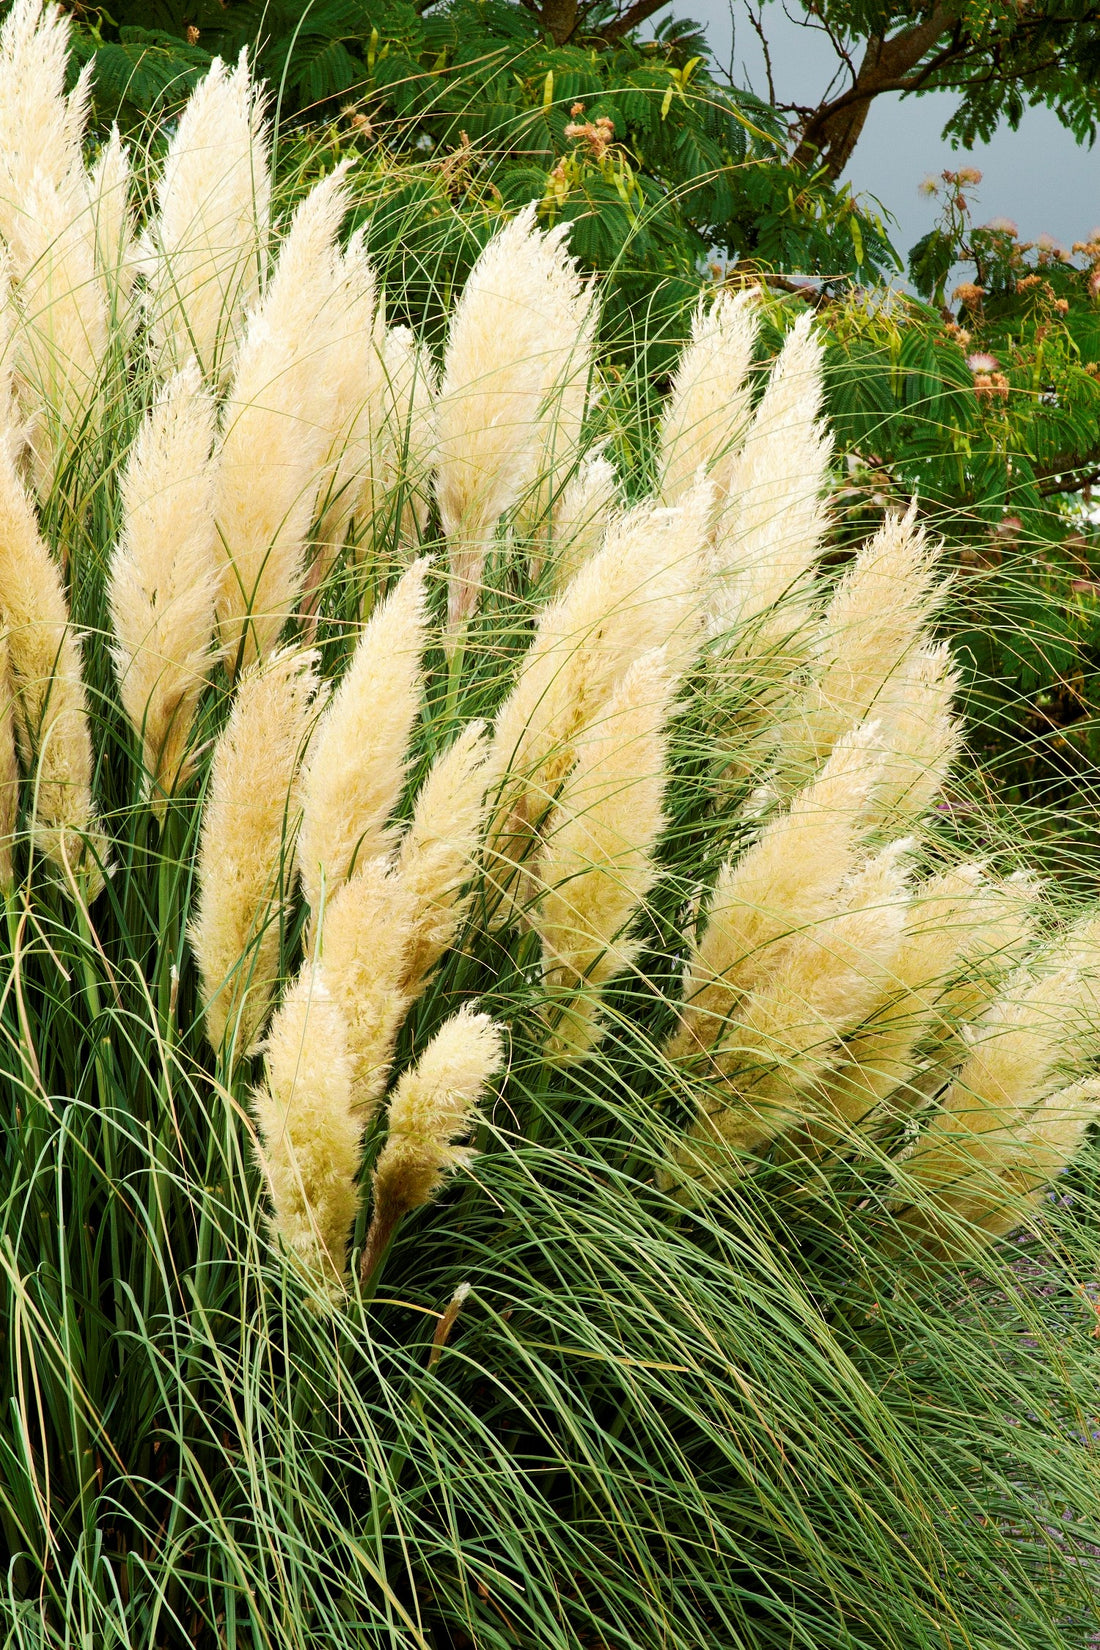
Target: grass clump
[[514, 1080]]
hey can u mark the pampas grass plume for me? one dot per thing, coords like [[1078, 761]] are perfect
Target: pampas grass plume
[[311, 1138], [582, 516], [598, 861], [357, 762], [439, 850], [770, 535], [519, 334], [51, 715], [367, 937], [639, 592], [9, 771], [786, 882], [278, 425], [709, 408], [164, 575], [431, 1109], [247, 845], [206, 248]]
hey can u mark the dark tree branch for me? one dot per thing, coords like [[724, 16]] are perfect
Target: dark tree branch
[[888, 63], [631, 18]]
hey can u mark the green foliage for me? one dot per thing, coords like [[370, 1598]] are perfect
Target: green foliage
[[693, 163]]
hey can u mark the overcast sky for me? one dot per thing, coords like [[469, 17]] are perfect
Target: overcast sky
[[1036, 176]]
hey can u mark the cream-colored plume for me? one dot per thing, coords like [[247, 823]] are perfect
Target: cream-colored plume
[[639, 592], [278, 421], [109, 188], [311, 1138], [246, 853], [164, 575], [787, 882], [921, 737], [9, 771], [763, 1075], [1022, 1046], [356, 766], [1041, 1151], [48, 228], [514, 377], [40, 128], [367, 936], [770, 535], [51, 706], [357, 406], [206, 248], [432, 1108], [598, 860], [874, 624], [709, 408], [440, 848], [942, 928], [582, 517]]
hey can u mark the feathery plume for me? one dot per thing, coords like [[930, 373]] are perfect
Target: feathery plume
[[598, 860], [116, 256], [311, 1139], [367, 936], [1041, 1151], [1019, 1050], [921, 738], [873, 625], [439, 850], [781, 887], [995, 941], [432, 1108], [356, 766], [276, 422], [9, 771], [51, 707], [582, 516], [639, 592], [247, 845], [943, 919], [767, 1066], [356, 411], [164, 575], [710, 404], [40, 128], [770, 534], [519, 344], [206, 248], [48, 228]]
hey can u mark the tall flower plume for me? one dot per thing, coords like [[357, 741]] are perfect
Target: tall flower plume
[[770, 535], [598, 860], [48, 226], [277, 421], [431, 1110], [206, 248], [165, 574], [356, 766], [709, 408], [246, 853], [311, 1139], [51, 706], [518, 347], [640, 591]]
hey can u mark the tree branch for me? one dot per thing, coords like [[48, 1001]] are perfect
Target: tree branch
[[631, 18], [832, 131]]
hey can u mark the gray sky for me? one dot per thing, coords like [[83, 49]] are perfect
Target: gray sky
[[1036, 176]]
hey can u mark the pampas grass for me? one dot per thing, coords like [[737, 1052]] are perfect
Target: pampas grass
[[533, 1138]]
